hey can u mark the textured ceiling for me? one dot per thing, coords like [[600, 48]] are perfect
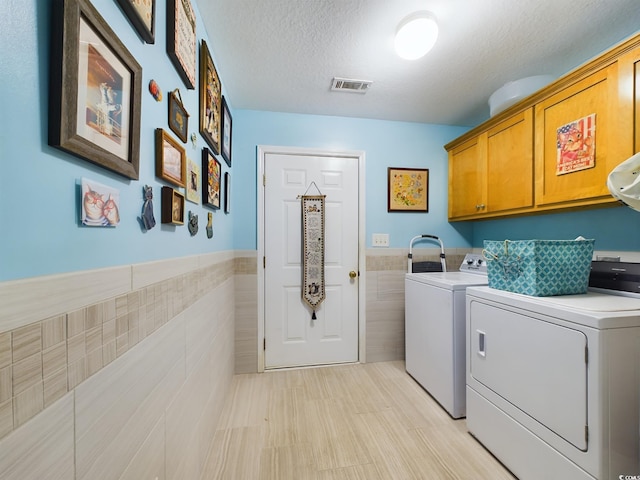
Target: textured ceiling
[[281, 55]]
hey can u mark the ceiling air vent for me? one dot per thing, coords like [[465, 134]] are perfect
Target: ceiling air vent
[[350, 85]]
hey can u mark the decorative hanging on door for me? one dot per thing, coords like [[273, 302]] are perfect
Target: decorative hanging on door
[[313, 249]]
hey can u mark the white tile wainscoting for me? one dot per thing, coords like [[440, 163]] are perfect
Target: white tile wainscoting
[[121, 373], [118, 373]]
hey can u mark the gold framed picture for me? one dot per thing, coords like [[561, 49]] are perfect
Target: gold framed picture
[[171, 162]]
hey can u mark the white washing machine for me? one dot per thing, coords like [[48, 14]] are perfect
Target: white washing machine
[[435, 330], [553, 383]]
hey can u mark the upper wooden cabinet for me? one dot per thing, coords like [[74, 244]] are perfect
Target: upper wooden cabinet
[[629, 98], [492, 173], [509, 164], [467, 178], [591, 103]]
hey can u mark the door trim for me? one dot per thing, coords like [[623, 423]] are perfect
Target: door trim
[[262, 151]]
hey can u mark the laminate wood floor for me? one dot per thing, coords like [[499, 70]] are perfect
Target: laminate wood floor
[[361, 421]]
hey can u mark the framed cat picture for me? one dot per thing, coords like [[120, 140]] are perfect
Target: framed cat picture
[[100, 204], [95, 92]]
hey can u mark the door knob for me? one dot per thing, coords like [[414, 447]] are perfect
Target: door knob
[[352, 274]]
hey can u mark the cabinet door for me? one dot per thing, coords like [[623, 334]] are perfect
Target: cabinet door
[[596, 94], [629, 73], [510, 164], [467, 178]]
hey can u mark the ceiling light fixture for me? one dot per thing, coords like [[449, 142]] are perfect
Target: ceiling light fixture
[[416, 35]]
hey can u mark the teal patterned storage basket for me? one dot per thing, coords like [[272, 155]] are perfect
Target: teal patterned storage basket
[[541, 268]]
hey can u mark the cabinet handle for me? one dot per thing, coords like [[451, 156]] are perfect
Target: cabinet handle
[[480, 206], [482, 345]]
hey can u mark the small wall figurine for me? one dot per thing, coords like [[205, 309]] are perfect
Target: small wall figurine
[[147, 219], [193, 223], [210, 226]]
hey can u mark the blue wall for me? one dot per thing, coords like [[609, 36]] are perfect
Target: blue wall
[[386, 144], [39, 231], [615, 228]]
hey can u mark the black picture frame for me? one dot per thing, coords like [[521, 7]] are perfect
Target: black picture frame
[[227, 192], [227, 125], [211, 179], [407, 189], [178, 116], [142, 16], [91, 70], [181, 39], [210, 100]]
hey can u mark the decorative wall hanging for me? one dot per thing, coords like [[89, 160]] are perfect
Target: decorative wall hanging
[[100, 205], [154, 90], [172, 206], [171, 160], [210, 225], [142, 15], [408, 190], [576, 145], [210, 100], [181, 39], [210, 179], [147, 219], [227, 192], [95, 90], [193, 181], [313, 292], [226, 132], [193, 223], [178, 116]]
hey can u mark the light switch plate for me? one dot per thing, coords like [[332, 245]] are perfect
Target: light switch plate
[[380, 240]]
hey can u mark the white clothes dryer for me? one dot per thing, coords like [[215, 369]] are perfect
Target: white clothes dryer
[[553, 383], [435, 330]]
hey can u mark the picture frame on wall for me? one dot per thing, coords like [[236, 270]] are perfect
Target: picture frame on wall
[[193, 181], [210, 100], [95, 90], [408, 190], [142, 15], [178, 116], [211, 177], [172, 210], [181, 39], [227, 121], [171, 161], [227, 192]]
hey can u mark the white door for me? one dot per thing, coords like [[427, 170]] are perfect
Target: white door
[[292, 337]]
